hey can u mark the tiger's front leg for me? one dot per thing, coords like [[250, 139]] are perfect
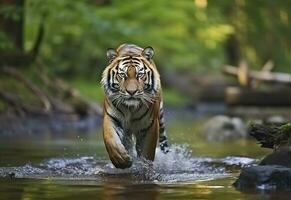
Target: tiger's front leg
[[146, 140], [116, 150]]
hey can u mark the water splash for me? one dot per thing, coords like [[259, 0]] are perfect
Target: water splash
[[176, 166]]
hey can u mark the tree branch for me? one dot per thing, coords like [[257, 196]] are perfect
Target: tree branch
[[32, 87]]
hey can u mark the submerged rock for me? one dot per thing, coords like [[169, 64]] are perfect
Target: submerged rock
[[222, 128], [272, 177]]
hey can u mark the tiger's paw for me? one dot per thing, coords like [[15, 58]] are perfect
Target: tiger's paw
[[121, 161], [119, 156], [123, 164]]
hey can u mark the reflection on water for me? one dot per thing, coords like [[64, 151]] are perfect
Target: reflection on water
[[113, 191], [74, 165]]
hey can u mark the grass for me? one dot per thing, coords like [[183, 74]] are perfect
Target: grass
[[94, 92]]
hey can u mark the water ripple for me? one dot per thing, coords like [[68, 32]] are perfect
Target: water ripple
[[177, 166]]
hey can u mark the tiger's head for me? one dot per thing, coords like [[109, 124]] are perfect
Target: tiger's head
[[131, 77]]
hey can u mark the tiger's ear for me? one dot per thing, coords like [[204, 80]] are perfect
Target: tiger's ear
[[148, 52], [111, 54]]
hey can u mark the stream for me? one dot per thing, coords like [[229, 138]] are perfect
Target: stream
[[74, 165]]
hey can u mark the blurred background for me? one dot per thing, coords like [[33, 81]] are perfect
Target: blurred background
[[192, 39]]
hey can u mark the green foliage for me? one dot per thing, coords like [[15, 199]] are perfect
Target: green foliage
[[10, 12], [186, 34], [78, 34], [285, 129], [5, 43]]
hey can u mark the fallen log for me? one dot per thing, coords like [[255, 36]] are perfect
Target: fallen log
[[234, 96], [263, 76]]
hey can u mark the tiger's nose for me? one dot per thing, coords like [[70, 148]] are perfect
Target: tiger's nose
[[131, 88], [131, 91]]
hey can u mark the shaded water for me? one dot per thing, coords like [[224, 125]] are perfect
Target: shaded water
[[74, 165]]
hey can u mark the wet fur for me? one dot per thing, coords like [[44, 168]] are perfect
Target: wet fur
[[126, 119]]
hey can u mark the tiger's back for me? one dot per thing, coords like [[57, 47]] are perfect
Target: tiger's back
[[133, 108]]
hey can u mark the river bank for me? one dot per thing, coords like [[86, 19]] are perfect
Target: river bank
[[12, 124]]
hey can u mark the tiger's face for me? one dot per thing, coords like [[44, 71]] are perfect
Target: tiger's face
[[131, 77]]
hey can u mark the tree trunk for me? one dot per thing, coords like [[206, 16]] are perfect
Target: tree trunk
[[11, 24], [232, 50]]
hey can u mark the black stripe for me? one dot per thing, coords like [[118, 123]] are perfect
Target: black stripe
[[162, 129], [148, 128], [161, 114], [117, 132], [124, 59], [125, 63], [162, 138], [136, 62], [115, 120], [108, 77], [135, 59], [152, 80], [140, 117], [148, 88], [110, 87], [112, 82], [119, 110]]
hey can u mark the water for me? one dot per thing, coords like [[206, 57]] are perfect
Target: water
[[74, 165]]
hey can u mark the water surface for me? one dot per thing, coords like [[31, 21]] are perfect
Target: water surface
[[74, 165]]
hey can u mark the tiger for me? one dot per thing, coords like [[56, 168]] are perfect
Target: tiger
[[133, 107]]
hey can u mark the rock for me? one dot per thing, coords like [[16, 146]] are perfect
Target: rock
[[276, 120], [222, 128], [280, 157], [268, 177]]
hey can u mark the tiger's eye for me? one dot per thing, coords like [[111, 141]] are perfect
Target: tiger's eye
[[115, 85], [139, 75], [121, 75]]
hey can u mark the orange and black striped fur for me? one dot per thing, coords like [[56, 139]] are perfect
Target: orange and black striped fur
[[133, 107]]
